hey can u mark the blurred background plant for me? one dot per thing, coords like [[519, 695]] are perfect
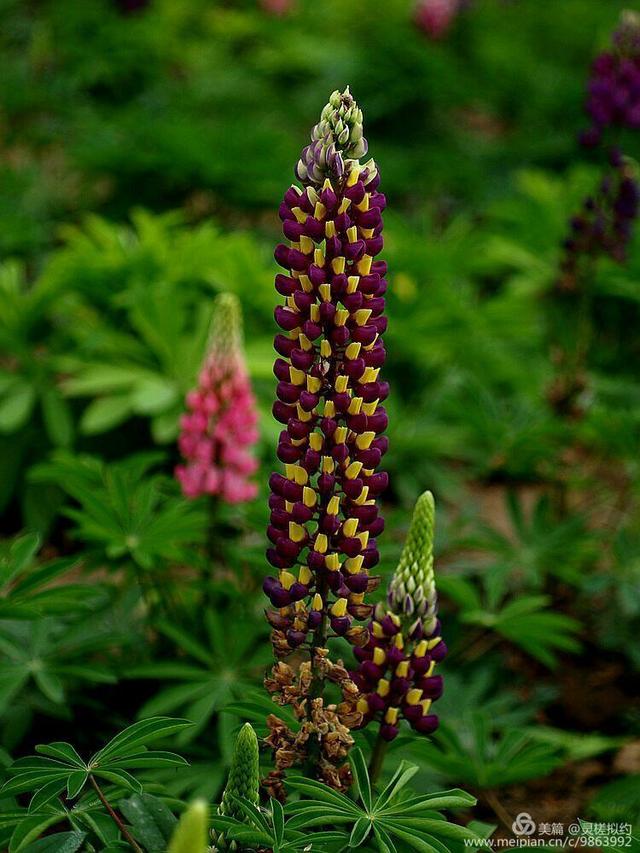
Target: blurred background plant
[[143, 149]]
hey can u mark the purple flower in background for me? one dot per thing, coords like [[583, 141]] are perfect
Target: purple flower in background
[[614, 87], [603, 227]]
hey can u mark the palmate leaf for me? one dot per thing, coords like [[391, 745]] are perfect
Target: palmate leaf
[[125, 511], [394, 821], [53, 654], [137, 735], [60, 768], [271, 828], [215, 675], [527, 623], [27, 590], [483, 756]]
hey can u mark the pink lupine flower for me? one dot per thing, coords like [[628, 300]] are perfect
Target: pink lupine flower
[[435, 17], [278, 8], [219, 429]]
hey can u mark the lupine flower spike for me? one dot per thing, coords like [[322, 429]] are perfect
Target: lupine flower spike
[[324, 513], [435, 17], [614, 87], [243, 782], [220, 427], [604, 225], [396, 672]]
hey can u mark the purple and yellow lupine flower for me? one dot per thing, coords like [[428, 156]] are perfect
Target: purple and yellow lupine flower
[[396, 672], [324, 513]]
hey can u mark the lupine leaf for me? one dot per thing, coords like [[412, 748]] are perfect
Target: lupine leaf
[[316, 815], [150, 819], [361, 777], [47, 793], [440, 827], [75, 783], [277, 816], [311, 788], [253, 813], [119, 777], [62, 751], [385, 842], [61, 842], [454, 799], [412, 839], [137, 735], [28, 781], [360, 832], [152, 758], [29, 829], [400, 778]]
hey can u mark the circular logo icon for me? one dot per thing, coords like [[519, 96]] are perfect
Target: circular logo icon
[[524, 824]]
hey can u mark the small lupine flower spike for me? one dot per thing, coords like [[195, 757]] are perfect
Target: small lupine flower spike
[[243, 781], [604, 225], [324, 514], [220, 427], [614, 87], [396, 671]]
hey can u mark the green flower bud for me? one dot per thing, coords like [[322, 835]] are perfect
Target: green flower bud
[[336, 141], [190, 835], [244, 773], [243, 781], [412, 590], [225, 332]]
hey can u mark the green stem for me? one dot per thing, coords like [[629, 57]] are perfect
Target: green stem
[[377, 757], [498, 809], [211, 549], [319, 641], [115, 817]]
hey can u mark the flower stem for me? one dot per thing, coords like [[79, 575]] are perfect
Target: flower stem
[[212, 551], [377, 757], [115, 816], [499, 810], [319, 641]]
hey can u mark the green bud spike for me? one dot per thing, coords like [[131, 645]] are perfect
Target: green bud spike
[[243, 781], [190, 835], [244, 773], [412, 590], [337, 141], [225, 332]]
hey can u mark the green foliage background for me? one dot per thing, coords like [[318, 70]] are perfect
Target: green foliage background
[[142, 159]]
